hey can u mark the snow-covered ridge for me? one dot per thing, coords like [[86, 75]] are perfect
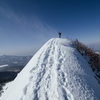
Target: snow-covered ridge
[[56, 72]]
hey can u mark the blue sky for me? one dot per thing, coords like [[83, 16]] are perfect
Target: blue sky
[[25, 25]]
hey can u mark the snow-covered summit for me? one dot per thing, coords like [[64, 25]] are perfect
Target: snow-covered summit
[[56, 72]]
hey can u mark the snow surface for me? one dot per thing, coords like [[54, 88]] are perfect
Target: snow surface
[[56, 72]]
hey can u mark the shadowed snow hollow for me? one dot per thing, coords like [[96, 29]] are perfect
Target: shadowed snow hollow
[[56, 72]]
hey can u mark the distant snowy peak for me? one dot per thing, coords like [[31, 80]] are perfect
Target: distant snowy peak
[[4, 65], [56, 72], [97, 53]]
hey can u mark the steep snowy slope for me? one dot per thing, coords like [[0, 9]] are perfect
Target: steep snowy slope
[[56, 72]]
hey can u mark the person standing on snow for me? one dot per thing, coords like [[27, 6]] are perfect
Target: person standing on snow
[[59, 34]]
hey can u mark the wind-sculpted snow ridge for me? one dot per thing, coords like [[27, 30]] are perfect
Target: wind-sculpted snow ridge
[[56, 72]]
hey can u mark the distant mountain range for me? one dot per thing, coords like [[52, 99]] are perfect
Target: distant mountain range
[[10, 66], [13, 63]]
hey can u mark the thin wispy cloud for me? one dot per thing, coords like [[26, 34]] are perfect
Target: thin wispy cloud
[[32, 23], [26, 29], [8, 13]]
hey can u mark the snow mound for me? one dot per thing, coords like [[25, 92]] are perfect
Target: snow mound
[[56, 72]]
